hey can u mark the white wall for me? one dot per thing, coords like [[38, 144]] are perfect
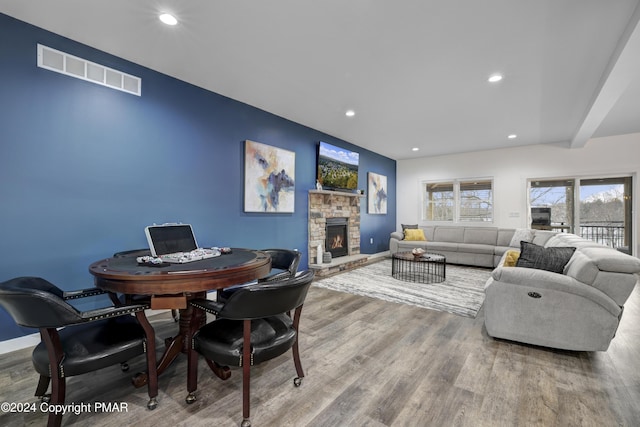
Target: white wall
[[511, 167]]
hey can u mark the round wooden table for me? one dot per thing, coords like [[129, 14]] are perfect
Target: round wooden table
[[171, 286], [123, 274]]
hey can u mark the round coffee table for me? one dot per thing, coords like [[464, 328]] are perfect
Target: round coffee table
[[427, 268]]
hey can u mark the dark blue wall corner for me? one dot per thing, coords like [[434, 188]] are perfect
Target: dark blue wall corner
[[84, 168]]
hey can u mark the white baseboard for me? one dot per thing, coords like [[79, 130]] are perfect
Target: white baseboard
[[19, 343]]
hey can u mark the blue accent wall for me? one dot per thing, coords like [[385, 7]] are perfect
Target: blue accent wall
[[84, 168]]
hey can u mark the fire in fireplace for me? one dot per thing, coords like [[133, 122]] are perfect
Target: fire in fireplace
[[337, 236], [337, 242]]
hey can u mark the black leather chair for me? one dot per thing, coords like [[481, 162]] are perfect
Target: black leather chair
[[90, 340], [284, 265], [254, 325]]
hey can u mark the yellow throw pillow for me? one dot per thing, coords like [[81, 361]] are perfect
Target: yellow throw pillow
[[414, 234], [511, 258]]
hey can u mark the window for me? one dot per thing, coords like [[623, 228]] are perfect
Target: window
[[597, 209], [458, 201], [476, 201], [439, 202], [605, 211], [558, 195]]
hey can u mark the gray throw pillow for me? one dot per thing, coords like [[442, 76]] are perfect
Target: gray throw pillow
[[411, 226], [550, 259], [408, 226]]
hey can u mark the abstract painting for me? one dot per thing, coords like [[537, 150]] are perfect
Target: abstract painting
[[377, 187], [269, 178]]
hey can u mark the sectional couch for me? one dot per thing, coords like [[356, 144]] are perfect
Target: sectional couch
[[476, 246], [577, 307]]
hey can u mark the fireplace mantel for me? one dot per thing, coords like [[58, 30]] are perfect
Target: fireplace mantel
[[325, 204], [335, 193]]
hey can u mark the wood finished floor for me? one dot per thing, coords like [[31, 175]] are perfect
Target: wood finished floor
[[371, 363]]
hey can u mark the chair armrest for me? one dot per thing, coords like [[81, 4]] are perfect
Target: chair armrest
[[397, 235], [82, 293], [542, 280], [207, 305], [276, 277], [108, 312]]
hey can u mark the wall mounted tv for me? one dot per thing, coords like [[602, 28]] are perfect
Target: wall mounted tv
[[337, 168]]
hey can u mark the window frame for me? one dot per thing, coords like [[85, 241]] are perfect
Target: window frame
[[628, 180], [458, 189], [427, 205]]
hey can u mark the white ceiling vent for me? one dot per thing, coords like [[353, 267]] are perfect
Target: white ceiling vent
[[73, 66]]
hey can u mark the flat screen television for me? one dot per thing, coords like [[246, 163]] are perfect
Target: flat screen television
[[337, 168]]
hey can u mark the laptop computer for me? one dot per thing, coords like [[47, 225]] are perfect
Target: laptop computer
[[176, 243]]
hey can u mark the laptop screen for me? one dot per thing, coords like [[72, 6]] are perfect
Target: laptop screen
[[168, 239]]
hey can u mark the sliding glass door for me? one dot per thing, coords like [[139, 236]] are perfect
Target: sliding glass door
[[597, 209], [605, 211], [558, 195]]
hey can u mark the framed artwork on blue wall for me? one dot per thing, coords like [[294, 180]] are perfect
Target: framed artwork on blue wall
[[377, 192], [269, 178]]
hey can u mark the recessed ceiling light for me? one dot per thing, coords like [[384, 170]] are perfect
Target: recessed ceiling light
[[512, 136], [350, 113], [495, 78], [415, 149], [168, 19]]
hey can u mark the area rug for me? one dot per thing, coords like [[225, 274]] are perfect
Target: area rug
[[462, 293]]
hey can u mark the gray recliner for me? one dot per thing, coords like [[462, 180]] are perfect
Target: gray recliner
[[577, 309]]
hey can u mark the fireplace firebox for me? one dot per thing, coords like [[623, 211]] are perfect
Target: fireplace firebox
[[337, 237]]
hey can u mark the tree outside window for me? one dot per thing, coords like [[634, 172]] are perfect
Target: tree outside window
[[476, 201], [597, 209], [439, 202], [557, 194], [458, 201]]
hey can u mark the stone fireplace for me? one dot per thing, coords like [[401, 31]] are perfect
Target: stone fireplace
[[330, 213]]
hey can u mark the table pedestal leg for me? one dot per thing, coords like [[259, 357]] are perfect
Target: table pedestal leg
[[222, 372], [173, 347]]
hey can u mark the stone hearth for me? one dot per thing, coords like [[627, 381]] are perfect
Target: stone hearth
[[332, 204]]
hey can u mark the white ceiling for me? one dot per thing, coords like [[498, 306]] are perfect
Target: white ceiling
[[414, 71]]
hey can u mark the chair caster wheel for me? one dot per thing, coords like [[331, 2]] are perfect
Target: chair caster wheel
[[246, 423], [297, 381], [190, 398], [46, 398], [124, 366], [153, 404]]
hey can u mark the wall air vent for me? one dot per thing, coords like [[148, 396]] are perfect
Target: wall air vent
[[73, 66]]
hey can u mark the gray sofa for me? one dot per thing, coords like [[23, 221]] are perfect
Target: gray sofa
[[579, 309], [477, 246]]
